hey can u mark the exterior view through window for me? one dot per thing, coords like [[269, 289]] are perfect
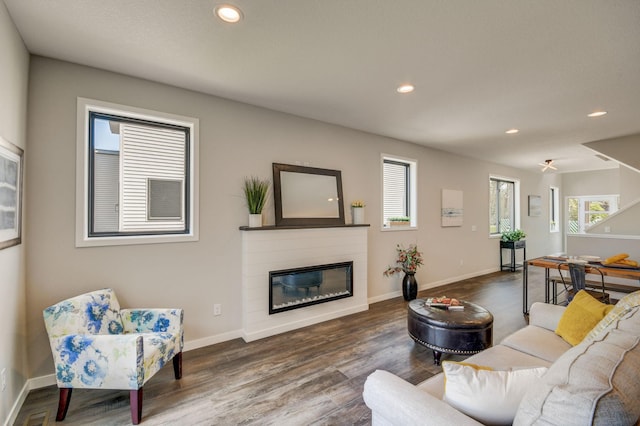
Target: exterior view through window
[[502, 206], [583, 212], [138, 174]]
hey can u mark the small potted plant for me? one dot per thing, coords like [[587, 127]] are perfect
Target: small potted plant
[[408, 261], [357, 212], [255, 192], [399, 221]]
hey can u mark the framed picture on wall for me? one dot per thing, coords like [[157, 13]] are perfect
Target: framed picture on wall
[[535, 205], [10, 194]]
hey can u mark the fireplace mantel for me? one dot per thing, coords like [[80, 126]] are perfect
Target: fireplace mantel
[[292, 247]]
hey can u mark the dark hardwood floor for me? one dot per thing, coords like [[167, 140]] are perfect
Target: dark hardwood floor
[[310, 376]]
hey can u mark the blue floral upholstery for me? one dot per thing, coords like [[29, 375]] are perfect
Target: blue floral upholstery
[[95, 344]]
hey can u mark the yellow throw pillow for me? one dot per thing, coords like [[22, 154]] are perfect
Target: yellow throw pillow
[[582, 314], [490, 397]]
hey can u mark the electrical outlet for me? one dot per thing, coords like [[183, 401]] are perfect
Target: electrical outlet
[[3, 378], [217, 309], [461, 262]]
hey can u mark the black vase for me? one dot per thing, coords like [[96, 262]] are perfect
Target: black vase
[[409, 286]]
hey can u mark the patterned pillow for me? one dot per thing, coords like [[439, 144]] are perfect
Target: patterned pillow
[[623, 306]]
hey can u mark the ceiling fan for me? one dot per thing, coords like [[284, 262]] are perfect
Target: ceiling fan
[[548, 164]]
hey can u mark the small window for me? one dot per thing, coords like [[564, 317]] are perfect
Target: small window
[[136, 171], [399, 193], [504, 205], [165, 199], [585, 211], [554, 209]]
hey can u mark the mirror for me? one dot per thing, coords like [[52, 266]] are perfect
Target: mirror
[[306, 196]]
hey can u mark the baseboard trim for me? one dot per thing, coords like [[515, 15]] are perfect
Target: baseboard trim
[[433, 284], [15, 409], [212, 340]]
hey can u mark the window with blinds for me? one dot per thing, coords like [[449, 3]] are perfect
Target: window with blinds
[[398, 190], [139, 177]]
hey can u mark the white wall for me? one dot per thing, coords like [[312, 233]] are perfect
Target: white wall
[[14, 70], [236, 140]]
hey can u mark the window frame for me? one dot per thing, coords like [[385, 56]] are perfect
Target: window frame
[[87, 107], [411, 191], [554, 209], [516, 202]]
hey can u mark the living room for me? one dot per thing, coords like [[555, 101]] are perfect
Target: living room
[[38, 113]]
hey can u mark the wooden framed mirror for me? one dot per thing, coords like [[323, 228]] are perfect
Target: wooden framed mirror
[[307, 196]]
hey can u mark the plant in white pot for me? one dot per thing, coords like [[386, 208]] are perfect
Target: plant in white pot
[[255, 192]]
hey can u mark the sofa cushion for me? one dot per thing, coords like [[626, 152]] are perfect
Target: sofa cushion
[[538, 342], [595, 382], [489, 396], [581, 315]]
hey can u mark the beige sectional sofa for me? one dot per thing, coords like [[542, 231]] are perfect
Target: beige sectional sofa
[[594, 382]]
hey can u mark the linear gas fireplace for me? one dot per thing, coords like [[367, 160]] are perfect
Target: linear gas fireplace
[[299, 287]]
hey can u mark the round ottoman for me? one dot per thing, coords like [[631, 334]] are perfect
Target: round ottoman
[[460, 332]]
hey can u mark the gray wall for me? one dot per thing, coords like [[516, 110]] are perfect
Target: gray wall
[[14, 71], [236, 140]]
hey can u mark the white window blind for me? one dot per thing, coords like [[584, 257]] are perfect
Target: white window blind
[[396, 189]]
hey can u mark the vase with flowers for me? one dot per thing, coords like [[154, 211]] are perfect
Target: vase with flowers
[[408, 261], [357, 212]]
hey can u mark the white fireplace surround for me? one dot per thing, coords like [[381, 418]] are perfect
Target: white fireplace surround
[[272, 249]]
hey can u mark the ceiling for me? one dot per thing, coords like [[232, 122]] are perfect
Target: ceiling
[[479, 67]]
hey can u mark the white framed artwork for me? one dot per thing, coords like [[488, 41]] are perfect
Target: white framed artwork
[[452, 211]]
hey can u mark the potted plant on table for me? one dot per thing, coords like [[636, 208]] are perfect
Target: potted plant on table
[[408, 261], [255, 192]]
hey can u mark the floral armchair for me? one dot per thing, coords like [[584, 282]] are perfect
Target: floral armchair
[[97, 345]]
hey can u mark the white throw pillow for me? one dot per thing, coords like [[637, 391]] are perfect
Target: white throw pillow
[[490, 397]]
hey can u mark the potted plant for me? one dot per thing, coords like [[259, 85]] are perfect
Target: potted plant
[[515, 235], [408, 261], [255, 192], [399, 221], [357, 212]]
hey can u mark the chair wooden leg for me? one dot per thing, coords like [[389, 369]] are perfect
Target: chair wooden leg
[[63, 403], [177, 365], [135, 400]]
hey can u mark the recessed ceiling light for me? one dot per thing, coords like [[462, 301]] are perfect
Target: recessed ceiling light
[[405, 88], [512, 131], [228, 13], [597, 114]]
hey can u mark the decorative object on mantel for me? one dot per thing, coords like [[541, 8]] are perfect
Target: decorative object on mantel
[[307, 196], [357, 212], [408, 261], [400, 221], [255, 192]]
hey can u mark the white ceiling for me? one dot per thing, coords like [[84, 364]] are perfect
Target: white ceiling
[[479, 67]]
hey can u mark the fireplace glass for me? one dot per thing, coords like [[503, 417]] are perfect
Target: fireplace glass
[[298, 287]]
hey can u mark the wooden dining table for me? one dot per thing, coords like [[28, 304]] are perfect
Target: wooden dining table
[[552, 262]]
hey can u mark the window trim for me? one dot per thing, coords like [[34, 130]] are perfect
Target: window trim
[[412, 191], [554, 209], [84, 108], [516, 201]]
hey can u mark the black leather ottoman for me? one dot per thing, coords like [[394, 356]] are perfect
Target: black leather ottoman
[[463, 332]]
